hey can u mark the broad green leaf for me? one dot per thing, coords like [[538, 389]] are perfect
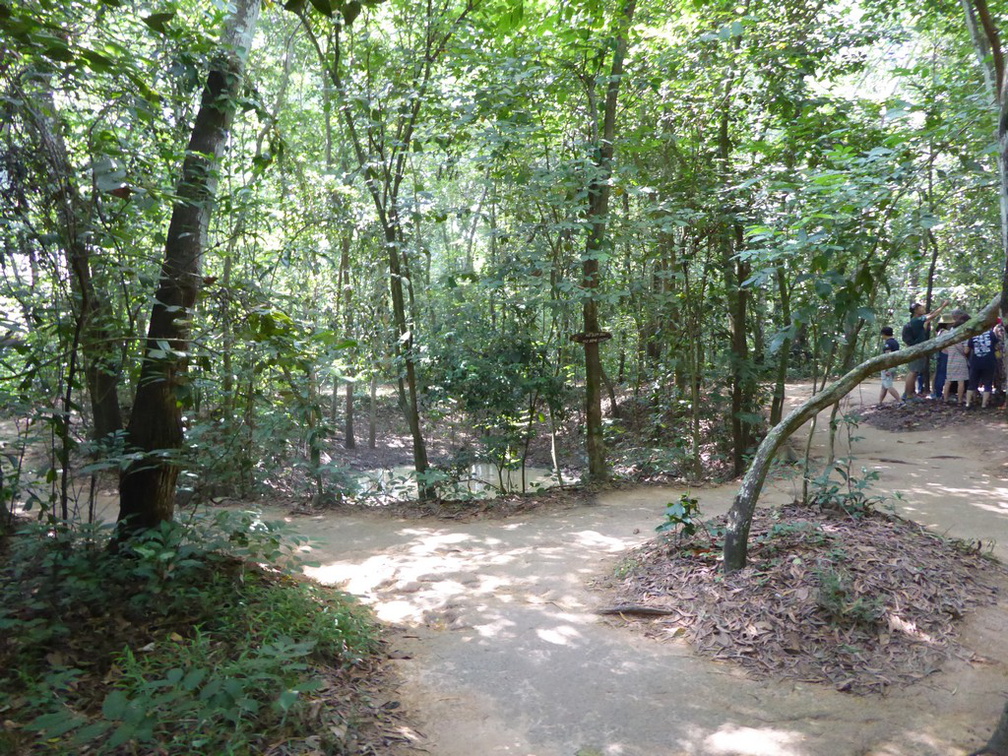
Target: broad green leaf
[[324, 7], [350, 12], [115, 705], [159, 21]]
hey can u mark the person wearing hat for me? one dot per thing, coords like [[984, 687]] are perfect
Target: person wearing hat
[[916, 332]]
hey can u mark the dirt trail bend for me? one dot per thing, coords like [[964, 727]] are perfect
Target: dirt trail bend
[[508, 656]]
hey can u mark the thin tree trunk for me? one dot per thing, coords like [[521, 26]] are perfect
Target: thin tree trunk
[[383, 172], [372, 412], [784, 354], [99, 348], [147, 487], [349, 441], [598, 212]]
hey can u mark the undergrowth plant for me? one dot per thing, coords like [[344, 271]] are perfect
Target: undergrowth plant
[[849, 490], [842, 603], [196, 638], [682, 517]]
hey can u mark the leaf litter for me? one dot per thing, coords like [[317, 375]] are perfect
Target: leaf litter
[[857, 603]]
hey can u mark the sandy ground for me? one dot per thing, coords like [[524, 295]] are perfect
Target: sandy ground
[[506, 656]]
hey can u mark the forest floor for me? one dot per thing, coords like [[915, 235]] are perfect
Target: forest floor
[[558, 625], [503, 650]]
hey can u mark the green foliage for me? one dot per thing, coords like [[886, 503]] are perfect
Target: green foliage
[[821, 192], [848, 491], [681, 517], [841, 601], [178, 642]]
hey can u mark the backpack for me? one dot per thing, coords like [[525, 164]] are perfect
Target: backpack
[[908, 335]]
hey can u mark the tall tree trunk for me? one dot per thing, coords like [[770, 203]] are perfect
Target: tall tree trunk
[[147, 487], [736, 271], [100, 350], [987, 43], [373, 411], [407, 378], [598, 216], [784, 354], [383, 169], [349, 441]]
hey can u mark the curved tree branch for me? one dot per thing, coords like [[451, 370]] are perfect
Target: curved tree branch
[[741, 514]]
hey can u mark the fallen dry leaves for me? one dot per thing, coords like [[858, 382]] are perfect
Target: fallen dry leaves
[[860, 604]]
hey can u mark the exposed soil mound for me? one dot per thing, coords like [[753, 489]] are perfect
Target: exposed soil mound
[[860, 603]]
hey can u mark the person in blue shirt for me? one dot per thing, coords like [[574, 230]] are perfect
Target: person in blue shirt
[[889, 344], [982, 366]]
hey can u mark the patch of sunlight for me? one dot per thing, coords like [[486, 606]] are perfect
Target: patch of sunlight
[[429, 541], [354, 578], [594, 539], [563, 635], [970, 493], [396, 612], [442, 589], [578, 618], [749, 741], [496, 629], [488, 584], [900, 625], [910, 743]]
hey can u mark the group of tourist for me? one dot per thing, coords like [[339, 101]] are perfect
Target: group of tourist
[[973, 366]]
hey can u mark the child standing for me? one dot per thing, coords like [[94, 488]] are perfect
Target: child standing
[[889, 344]]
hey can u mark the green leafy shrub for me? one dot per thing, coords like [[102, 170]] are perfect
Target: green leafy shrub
[[681, 517], [190, 639], [841, 602]]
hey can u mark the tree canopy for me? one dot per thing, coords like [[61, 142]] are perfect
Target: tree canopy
[[504, 210]]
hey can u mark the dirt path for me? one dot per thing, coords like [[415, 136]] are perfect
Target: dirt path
[[507, 656]]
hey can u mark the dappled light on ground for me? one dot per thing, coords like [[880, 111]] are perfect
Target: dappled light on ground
[[422, 579], [505, 654], [733, 740], [516, 659]]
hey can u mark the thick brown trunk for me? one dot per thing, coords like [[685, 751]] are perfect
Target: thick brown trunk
[[147, 487]]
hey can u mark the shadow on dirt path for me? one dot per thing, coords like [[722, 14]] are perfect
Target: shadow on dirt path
[[506, 655]]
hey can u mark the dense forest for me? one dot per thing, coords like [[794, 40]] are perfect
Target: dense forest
[[268, 251], [227, 228]]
